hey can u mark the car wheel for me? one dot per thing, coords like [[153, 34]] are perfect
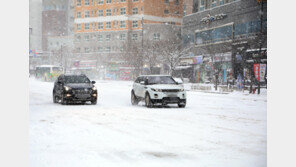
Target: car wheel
[[55, 98], [94, 102], [134, 99], [63, 101], [148, 102], [182, 105]]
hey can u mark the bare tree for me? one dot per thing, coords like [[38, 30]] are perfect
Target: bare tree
[[132, 55]]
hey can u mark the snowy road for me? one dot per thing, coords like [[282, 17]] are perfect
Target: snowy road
[[214, 130]]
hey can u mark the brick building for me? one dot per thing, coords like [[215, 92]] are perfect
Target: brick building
[[102, 27]]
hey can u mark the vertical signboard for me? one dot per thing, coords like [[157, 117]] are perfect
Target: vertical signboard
[[262, 72], [257, 71]]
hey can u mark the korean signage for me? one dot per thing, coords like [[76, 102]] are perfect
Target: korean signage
[[197, 60], [259, 70], [210, 18]]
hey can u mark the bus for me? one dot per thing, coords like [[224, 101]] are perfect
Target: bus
[[48, 72]]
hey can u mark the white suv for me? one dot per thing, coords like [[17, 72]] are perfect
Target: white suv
[[155, 89]]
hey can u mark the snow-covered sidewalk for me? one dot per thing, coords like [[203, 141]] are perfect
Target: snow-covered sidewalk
[[213, 130]]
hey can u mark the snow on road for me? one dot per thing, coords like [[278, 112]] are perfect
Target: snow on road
[[213, 130]]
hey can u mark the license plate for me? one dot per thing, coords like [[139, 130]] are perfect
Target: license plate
[[171, 95], [82, 96]]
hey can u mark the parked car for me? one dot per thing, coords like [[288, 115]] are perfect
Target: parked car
[[74, 88], [158, 89]]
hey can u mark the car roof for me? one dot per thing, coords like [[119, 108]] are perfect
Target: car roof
[[155, 75], [71, 75]]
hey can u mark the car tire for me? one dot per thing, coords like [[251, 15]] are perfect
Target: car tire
[[148, 102], [63, 101], [134, 99], [55, 98], [94, 102], [181, 105]]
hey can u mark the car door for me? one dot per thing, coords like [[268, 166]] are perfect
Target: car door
[[142, 87], [136, 86]]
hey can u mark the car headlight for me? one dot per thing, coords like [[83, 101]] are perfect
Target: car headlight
[[156, 90], [94, 88], [67, 88]]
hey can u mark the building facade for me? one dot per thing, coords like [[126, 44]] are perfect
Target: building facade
[[225, 39], [103, 27], [35, 32]]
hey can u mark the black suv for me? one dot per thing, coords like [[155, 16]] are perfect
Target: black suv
[[74, 88]]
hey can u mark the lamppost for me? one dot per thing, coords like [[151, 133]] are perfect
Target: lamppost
[[261, 34]]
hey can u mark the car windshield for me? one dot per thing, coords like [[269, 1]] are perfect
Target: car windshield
[[76, 79], [161, 80]]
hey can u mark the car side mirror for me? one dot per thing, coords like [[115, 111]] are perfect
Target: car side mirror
[[142, 83], [93, 82]]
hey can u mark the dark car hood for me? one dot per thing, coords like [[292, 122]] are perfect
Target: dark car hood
[[79, 85]]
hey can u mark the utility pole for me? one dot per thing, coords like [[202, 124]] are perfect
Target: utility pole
[[261, 36], [61, 61]]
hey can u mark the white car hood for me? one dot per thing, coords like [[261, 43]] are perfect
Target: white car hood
[[165, 86]]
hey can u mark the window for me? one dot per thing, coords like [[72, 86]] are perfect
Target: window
[[135, 37], [202, 5], [86, 14], [135, 23], [141, 8], [100, 13], [176, 2], [135, 10], [108, 49], [156, 36], [100, 25], [78, 3], [108, 37], [166, 11], [100, 49], [214, 35], [121, 49], [86, 50], [135, 0], [108, 12], [78, 15], [78, 50], [122, 24], [78, 26], [214, 3], [100, 38], [221, 2], [202, 2], [86, 26], [77, 38], [122, 11], [108, 25], [166, 1], [86, 2], [122, 37], [108, 1], [86, 37], [100, 2], [122, 0]]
